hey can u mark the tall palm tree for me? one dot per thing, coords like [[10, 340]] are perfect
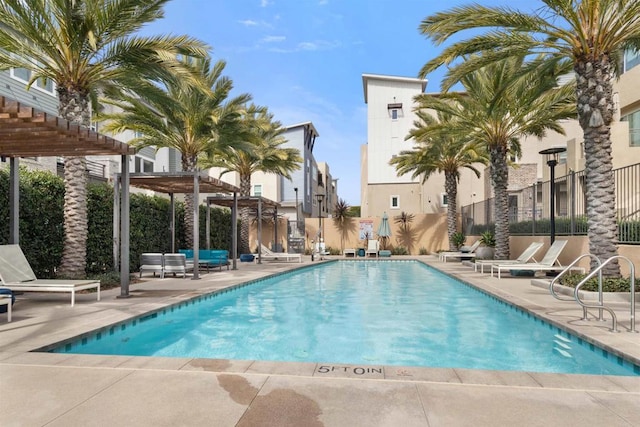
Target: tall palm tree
[[440, 147], [589, 33], [502, 103], [265, 153], [190, 116], [86, 47]]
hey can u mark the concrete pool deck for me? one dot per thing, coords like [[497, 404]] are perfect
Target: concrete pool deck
[[38, 389]]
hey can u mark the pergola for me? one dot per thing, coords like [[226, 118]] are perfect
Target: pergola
[[181, 183], [27, 132], [242, 202]]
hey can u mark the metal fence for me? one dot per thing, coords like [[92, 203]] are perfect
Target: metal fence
[[529, 212]]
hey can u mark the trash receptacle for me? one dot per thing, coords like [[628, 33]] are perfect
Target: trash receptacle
[[361, 252]]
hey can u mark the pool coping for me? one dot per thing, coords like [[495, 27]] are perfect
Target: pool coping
[[323, 370]]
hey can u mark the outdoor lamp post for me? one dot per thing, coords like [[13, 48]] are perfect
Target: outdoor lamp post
[[319, 198], [551, 155], [297, 217]]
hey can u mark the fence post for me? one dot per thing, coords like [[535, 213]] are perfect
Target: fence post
[[573, 202], [535, 209]]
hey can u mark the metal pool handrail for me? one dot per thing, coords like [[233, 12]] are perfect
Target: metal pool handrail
[[563, 272], [632, 295]]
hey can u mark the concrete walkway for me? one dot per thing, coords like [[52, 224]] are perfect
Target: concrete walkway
[[38, 389]]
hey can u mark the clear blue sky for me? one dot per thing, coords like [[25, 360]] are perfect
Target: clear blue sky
[[304, 59]]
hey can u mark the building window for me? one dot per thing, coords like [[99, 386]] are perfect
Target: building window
[[142, 165], [444, 200], [634, 128], [257, 190], [395, 202], [394, 114], [631, 59], [24, 75]]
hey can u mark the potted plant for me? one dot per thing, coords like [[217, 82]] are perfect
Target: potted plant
[[458, 239], [487, 245]]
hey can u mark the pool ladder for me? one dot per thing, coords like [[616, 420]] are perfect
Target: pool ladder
[[600, 305]]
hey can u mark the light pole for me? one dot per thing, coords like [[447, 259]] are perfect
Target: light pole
[[551, 155], [319, 198], [297, 217]]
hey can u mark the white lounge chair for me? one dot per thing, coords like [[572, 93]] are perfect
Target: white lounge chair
[[268, 255], [320, 250], [443, 256], [17, 275], [372, 248], [548, 263], [151, 262], [349, 252], [524, 257], [176, 264]]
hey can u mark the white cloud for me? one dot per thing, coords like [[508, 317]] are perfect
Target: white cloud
[[265, 3], [309, 46], [273, 39], [323, 2], [248, 23]]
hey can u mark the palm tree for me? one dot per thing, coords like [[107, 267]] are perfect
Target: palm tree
[[86, 47], [440, 148], [183, 116], [591, 34], [342, 220], [502, 103], [265, 153]]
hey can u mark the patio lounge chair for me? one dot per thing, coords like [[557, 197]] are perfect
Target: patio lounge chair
[[320, 250], [151, 262], [443, 256], [372, 248], [548, 263], [350, 252], [525, 256], [17, 275], [268, 255], [176, 264]]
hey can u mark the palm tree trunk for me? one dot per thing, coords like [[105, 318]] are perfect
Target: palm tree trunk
[[500, 177], [595, 113], [188, 165], [451, 187], [245, 215], [74, 107]]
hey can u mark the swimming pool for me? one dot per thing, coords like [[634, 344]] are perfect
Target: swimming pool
[[401, 313]]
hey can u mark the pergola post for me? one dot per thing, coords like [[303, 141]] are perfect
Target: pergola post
[[14, 201], [234, 230], [207, 225], [124, 224], [196, 227], [276, 248], [259, 230], [173, 223], [116, 222]]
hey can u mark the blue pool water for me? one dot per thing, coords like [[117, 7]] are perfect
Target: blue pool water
[[376, 312]]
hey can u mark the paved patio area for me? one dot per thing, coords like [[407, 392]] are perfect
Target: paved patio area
[[38, 389]]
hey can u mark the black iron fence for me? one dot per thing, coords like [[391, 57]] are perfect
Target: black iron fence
[[529, 212]]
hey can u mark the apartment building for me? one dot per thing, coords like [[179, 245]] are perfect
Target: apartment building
[[43, 97], [390, 116], [305, 185]]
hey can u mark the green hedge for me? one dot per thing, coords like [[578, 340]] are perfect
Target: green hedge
[[42, 224]]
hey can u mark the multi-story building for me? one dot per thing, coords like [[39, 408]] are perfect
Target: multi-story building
[[43, 96], [390, 117]]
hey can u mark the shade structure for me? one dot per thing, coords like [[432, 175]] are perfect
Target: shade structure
[[384, 231]]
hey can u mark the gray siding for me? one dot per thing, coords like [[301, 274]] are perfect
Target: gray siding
[[15, 89]]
